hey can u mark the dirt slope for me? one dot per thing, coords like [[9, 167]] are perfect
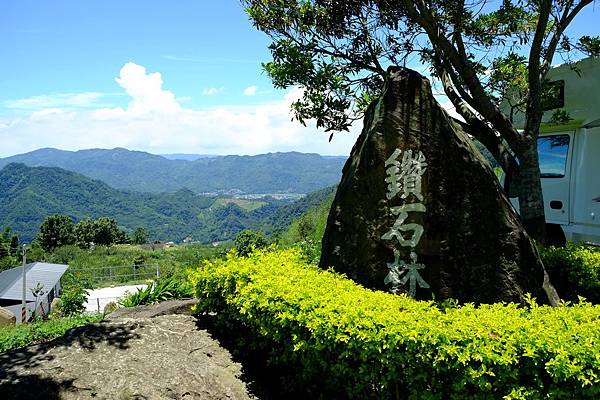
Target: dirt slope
[[152, 352]]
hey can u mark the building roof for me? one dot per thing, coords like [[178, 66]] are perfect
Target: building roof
[[11, 284]]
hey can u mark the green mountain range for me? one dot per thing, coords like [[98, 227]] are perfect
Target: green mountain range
[[144, 172], [29, 194]]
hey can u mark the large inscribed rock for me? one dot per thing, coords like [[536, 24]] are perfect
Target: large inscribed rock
[[420, 211]]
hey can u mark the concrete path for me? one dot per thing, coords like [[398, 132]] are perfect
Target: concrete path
[[99, 298]]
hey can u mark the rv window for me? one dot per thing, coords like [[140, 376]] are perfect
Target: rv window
[[552, 151]]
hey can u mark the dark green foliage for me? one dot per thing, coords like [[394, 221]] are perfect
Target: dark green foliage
[[589, 45], [9, 249], [341, 340], [102, 231], [144, 172], [106, 231], [140, 236], [574, 271], [29, 195], [247, 241], [41, 331], [56, 231]]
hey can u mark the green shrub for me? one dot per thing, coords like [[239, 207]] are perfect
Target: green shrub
[[159, 290], [574, 270], [72, 301], [248, 240], [371, 344], [39, 331], [74, 294]]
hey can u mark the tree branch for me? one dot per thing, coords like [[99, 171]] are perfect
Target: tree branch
[[476, 127], [481, 101]]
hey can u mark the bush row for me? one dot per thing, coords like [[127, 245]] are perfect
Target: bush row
[[352, 342], [574, 270]]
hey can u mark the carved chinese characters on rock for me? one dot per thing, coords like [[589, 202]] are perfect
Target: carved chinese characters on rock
[[404, 172]]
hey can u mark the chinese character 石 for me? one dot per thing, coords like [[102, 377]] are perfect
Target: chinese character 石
[[405, 176], [399, 226], [411, 276]]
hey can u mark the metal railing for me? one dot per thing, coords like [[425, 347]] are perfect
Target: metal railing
[[121, 272]]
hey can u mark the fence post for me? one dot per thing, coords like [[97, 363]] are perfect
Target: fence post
[[157, 272], [98, 301]]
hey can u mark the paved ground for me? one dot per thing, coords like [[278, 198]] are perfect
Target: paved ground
[[106, 295], [147, 353]]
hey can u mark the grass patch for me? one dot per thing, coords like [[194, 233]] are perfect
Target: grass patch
[[126, 264], [40, 331], [244, 204]]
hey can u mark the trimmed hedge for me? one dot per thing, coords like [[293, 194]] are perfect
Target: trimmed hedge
[[358, 343], [574, 271]]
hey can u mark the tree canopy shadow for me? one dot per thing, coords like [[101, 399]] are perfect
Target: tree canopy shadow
[[20, 376]]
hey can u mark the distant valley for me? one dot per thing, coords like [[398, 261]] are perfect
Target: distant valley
[[29, 194], [273, 173]]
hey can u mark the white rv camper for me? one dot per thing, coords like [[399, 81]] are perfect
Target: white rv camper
[[569, 154]]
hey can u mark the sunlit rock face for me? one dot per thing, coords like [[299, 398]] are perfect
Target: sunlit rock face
[[419, 210]]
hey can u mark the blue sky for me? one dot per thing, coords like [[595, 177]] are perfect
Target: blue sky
[[79, 46], [159, 76]]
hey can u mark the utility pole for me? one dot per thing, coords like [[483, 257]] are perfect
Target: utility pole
[[24, 302]]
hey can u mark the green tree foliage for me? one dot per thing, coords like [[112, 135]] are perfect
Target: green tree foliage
[[339, 51], [56, 231], [85, 233], [103, 231], [106, 232], [248, 240], [140, 236], [9, 249]]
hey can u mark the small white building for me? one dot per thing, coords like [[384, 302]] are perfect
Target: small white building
[[47, 276]]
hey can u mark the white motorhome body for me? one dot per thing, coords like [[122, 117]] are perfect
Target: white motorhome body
[[570, 154]]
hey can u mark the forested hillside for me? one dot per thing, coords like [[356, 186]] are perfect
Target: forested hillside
[[29, 194], [139, 171]]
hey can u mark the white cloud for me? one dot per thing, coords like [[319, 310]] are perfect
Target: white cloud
[[63, 100], [212, 91], [250, 90], [155, 121], [146, 90]]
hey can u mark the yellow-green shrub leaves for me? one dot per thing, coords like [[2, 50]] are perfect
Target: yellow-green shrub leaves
[[368, 344]]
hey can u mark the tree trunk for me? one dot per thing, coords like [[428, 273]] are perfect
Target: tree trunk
[[531, 199]]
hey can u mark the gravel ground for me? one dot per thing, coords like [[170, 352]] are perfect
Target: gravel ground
[[152, 352]]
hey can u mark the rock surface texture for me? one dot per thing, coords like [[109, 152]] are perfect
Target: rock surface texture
[[134, 355], [7, 318], [419, 210]]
